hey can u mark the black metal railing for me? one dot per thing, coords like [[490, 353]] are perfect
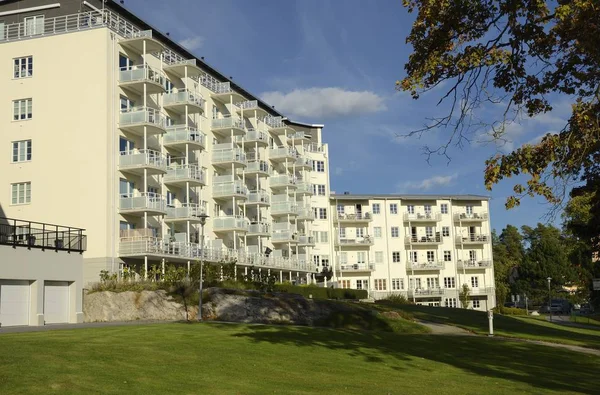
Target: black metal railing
[[29, 234]]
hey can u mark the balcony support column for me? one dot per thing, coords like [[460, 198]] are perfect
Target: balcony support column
[[162, 264], [188, 269], [281, 276], [145, 267]]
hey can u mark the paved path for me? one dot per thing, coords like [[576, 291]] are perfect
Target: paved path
[[566, 321], [54, 327], [443, 329]]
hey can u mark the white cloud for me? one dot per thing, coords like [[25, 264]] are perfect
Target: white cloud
[[192, 43], [429, 183], [325, 102]]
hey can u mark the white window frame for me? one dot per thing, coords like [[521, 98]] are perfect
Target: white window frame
[[360, 232], [20, 193], [380, 284], [449, 282], [324, 237], [395, 232], [23, 67], [397, 284], [322, 213], [410, 209], [22, 109], [396, 256], [444, 208], [430, 256], [413, 256], [376, 208], [378, 256], [21, 151], [476, 303], [447, 256], [36, 27], [342, 233], [445, 231], [474, 282], [319, 166], [393, 208], [469, 210], [377, 231], [427, 208]]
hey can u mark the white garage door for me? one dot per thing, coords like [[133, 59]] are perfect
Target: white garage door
[[56, 302], [14, 303]]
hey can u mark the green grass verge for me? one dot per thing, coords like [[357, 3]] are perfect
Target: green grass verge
[[532, 328], [585, 319], [253, 359]]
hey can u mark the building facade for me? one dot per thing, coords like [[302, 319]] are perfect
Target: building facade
[[109, 125], [425, 247]]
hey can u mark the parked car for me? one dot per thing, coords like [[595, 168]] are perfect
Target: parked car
[[586, 308], [560, 306]]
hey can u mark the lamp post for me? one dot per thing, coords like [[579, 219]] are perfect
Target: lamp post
[[549, 298], [203, 217]]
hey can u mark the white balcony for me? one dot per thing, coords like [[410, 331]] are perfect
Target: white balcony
[[474, 264], [472, 217], [366, 241], [186, 212], [282, 181], [422, 217], [423, 240], [228, 125], [277, 126], [178, 136], [425, 266], [136, 161], [224, 92], [230, 224], [261, 229], [354, 218], [253, 138], [140, 41], [306, 241], [284, 236], [258, 198], [181, 175], [284, 208], [298, 138], [235, 189], [139, 119], [473, 239], [304, 188], [182, 68], [258, 167], [142, 78], [227, 157], [481, 291], [356, 267], [178, 101], [305, 213], [281, 154], [301, 163], [134, 204], [425, 292], [250, 108]]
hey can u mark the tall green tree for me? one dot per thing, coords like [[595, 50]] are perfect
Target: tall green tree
[[508, 254], [517, 54]]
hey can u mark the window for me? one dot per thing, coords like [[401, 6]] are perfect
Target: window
[[395, 231], [378, 256], [360, 232], [362, 284], [361, 257], [171, 199], [393, 208], [450, 302], [21, 151], [472, 255], [429, 231], [444, 208], [469, 210], [343, 258], [340, 209], [169, 86], [124, 225], [319, 189], [376, 208], [433, 282], [449, 282], [21, 193], [23, 67], [342, 233], [126, 188], [447, 256], [410, 209], [476, 304], [396, 256], [397, 284], [445, 231], [1, 30], [325, 260], [430, 256], [22, 109], [377, 231], [34, 25], [475, 282], [126, 104], [380, 284], [427, 208], [320, 213], [412, 256], [319, 166], [345, 284], [415, 283], [125, 145], [323, 237]]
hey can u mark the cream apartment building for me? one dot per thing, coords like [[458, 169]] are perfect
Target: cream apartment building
[[424, 247], [107, 124]]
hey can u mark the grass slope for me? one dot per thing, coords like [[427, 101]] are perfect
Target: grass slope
[[509, 326], [253, 359]]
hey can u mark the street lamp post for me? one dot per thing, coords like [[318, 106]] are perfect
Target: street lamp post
[[549, 298], [203, 217]]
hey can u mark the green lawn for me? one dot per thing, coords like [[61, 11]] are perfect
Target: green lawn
[[586, 319], [534, 328], [251, 359]]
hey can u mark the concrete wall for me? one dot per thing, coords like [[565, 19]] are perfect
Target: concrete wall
[[38, 266]]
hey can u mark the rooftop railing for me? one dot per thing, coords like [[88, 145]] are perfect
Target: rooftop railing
[[29, 234]]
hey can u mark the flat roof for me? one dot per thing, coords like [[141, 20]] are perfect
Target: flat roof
[[407, 197]]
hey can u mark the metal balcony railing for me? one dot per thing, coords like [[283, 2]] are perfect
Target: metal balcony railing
[[145, 201], [424, 239], [231, 222], [185, 172], [259, 197], [184, 97], [426, 292], [227, 123], [474, 264], [367, 240], [482, 216], [247, 105], [230, 189], [141, 158], [425, 217], [354, 217], [259, 228], [473, 239], [29, 234], [229, 155], [184, 134], [306, 240], [282, 152], [253, 135], [283, 208], [356, 267], [141, 115], [141, 73], [431, 265], [282, 181], [185, 211], [258, 166]]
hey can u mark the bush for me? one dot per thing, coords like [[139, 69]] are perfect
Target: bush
[[509, 310], [395, 299], [322, 293]]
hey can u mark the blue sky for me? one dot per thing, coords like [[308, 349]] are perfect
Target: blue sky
[[336, 62]]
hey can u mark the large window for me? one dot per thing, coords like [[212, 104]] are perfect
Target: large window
[[342, 233], [450, 302], [476, 304], [445, 231], [395, 231], [474, 282], [21, 193], [397, 284], [376, 208], [412, 256], [22, 109], [430, 256], [447, 256], [377, 231], [360, 232], [378, 257], [393, 208], [444, 208], [319, 166], [449, 282], [345, 284], [320, 213], [21, 151], [34, 25], [23, 67], [380, 284], [396, 256], [319, 189], [410, 209]]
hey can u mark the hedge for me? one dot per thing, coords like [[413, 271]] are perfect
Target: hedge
[[509, 311], [322, 293]]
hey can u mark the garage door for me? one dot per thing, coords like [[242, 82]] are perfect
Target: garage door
[[14, 303], [56, 302]]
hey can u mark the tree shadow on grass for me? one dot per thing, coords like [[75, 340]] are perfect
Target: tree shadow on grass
[[539, 366]]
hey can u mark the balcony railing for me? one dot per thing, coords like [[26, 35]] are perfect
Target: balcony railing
[[357, 267], [284, 236], [253, 136], [472, 217], [186, 211], [282, 181], [231, 222], [227, 123], [142, 74], [474, 264], [229, 155], [357, 217], [301, 162], [248, 104], [423, 239], [366, 241], [274, 122], [258, 166], [482, 291], [184, 173], [306, 240], [230, 189], [426, 292], [259, 228], [141, 115], [305, 212], [145, 201], [432, 265], [283, 153], [304, 188], [278, 208], [184, 134], [19, 233], [259, 197], [142, 158], [184, 97], [473, 239], [222, 87], [298, 135], [422, 217]]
